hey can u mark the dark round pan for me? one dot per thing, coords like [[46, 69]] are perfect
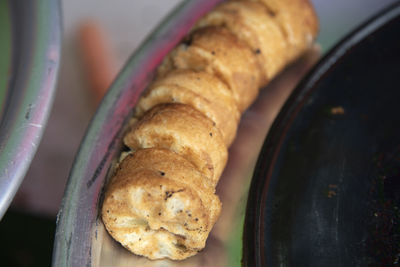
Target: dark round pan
[[326, 190]]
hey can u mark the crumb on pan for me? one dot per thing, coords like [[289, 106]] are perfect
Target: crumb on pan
[[339, 110]]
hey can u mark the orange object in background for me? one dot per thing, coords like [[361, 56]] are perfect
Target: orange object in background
[[98, 59]]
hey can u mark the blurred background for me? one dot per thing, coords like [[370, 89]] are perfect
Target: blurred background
[[115, 29]]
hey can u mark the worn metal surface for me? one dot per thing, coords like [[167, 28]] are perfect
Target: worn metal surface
[[31, 41]]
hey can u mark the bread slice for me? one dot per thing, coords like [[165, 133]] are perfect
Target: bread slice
[[184, 130], [158, 205], [199, 89], [219, 52], [298, 21], [254, 25]]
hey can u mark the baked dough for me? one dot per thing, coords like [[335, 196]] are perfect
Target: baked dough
[[199, 89], [184, 130], [160, 205], [253, 24], [219, 52], [298, 21], [161, 201]]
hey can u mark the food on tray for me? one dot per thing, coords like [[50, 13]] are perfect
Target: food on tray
[[161, 201], [219, 52], [184, 130], [171, 208], [199, 89]]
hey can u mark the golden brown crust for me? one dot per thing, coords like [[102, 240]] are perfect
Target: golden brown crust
[[298, 21], [131, 210], [184, 130], [158, 199], [161, 202], [254, 25], [200, 90], [217, 51], [167, 163]]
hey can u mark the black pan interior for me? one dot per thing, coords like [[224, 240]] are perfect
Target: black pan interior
[[326, 191]]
